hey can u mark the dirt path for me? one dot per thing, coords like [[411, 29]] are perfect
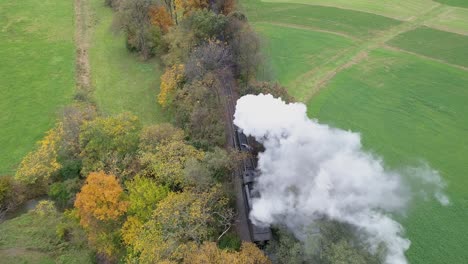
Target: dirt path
[[311, 82], [82, 25]]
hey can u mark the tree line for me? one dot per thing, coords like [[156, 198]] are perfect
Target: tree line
[[162, 193]]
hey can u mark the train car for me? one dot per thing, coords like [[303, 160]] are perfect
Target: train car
[[260, 234]]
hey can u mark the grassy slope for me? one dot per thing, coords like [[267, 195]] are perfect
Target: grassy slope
[[349, 22], [121, 81], [409, 109], [310, 48], [398, 9], [36, 72], [32, 239], [449, 47]]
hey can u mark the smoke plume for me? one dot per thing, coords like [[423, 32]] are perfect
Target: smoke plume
[[310, 171]]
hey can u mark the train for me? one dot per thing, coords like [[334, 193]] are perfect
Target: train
[[260, 235]]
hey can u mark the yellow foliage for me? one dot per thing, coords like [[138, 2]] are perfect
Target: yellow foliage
[[39, 165], [170, 80], [210, 253], [130, 230], [167, 164], [100, 199]]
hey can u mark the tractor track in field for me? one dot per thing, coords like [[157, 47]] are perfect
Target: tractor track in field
[[316, 79], [82, 66]]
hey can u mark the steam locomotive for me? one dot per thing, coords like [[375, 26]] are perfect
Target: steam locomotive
[[259, 235]]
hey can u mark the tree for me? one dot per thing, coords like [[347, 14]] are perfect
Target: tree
[[73, 117], [197, 27], [100, 199], [142, 36], [100, 206], [198, 109], [210, 253], [39, 165], [171, 80], [245, 46], [161, 18], [166, 165], [212, 56], [144, 195], [153, 136], [179, 219], [188, 6], [110, 144], [63, 193], [275, 89]]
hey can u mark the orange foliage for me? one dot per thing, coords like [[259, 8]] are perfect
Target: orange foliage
[[100, 199], [190, 5], [228, 7], [161, 18]]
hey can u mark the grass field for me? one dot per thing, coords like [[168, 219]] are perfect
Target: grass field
[[121, 81], [311, 49], [453, 20], [37, 72], [33, 239], [348, 22], [409, 107], [460, 3], [398, 9], [449, 47]]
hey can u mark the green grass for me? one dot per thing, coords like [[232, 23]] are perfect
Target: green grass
[[398, 9], [409, 109], [348, 22], [453, 20], [36, 72], [121, 81], [450, 47], [30, 238], [460, 3], [302, 51]]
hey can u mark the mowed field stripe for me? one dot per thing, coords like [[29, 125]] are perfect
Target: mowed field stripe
[[310, 84], [309, 28]]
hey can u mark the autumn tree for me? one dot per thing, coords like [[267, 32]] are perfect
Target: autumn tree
[[188, 6], [100, 206], [198, 110], [142, 35], [171, 80], [181, 218], [161, 18], [38, 166], [212, 56], [245, 46], [210, 253], [110, 144], [153, 136], [166, 164], [144, 194], [196, 28]]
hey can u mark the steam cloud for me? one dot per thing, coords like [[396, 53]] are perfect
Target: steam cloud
[[309, 170]]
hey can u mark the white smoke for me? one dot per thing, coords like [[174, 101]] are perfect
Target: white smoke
[[309, 170]]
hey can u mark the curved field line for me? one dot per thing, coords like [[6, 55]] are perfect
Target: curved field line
[[315, 80]]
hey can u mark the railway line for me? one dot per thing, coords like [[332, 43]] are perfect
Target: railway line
[[245, 176]]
